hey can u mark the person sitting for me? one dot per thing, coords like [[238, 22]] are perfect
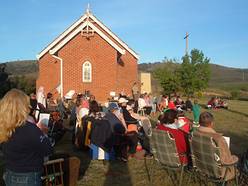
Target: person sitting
[[94, 110], [56, 127], [188, 105], [119, 127], [81, 111], [51, 103], [171, 104], [210, 103], [132, 128], [206, 122], [183, 123], [141, 104], [163, 104], [148, 101], [168, 122], [196, 112], [24, 145]]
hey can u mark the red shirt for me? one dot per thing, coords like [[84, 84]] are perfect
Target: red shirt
[[171, 105], [180, 140]]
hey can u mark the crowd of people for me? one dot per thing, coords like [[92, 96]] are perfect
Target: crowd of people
[[120, 126], [216, 102]]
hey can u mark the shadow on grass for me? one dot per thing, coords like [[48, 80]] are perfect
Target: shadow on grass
[[66, 147], [118, 174]]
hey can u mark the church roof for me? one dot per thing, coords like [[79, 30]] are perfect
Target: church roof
[[84, 22]]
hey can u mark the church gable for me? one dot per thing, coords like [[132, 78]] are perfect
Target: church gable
[[87, 25]]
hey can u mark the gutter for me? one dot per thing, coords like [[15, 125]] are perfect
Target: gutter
[[61, 73]]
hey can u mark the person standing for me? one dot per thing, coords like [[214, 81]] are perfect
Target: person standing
[[135, 91], [24, 145], [196, 112]]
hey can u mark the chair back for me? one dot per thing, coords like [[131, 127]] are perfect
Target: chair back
[[53, 173], [205, 155], [164, 148], [147, 126]]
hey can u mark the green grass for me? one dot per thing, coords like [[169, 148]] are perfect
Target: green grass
[[232, 122]]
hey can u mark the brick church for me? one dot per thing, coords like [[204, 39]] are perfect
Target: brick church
[[87, 56]]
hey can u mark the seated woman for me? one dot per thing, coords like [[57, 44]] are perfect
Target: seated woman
[[132, 130], [24, 144], [168, 122]]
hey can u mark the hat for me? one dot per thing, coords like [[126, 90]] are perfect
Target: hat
[[122, 100], [113, 106], [69, 94]]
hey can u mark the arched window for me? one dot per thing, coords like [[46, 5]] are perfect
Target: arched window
[[87, 72]]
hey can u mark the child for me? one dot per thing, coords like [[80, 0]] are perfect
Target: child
[[196, 112]]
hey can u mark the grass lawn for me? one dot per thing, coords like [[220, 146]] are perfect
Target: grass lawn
[[232, 122]]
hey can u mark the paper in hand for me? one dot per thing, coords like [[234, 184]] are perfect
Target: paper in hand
[[44, 119], [227, 140]]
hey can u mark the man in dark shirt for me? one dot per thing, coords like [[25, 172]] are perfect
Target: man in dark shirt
[[119, 129]]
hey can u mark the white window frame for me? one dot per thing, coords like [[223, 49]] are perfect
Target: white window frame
[[90, 71]]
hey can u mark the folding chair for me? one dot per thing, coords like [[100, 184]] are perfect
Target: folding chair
[[53, 173], [165, 152], [147, 126], [206, 160]]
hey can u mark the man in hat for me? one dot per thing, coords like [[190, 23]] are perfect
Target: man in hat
[[119, 128]]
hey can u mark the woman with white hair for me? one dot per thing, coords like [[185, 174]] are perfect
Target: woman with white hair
[[24, 145]]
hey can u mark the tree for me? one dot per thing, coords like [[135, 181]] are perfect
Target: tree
[[194, 72], [168, 77], [4, 80]]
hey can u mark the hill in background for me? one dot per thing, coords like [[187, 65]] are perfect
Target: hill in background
[[223, 79], [19, 68]]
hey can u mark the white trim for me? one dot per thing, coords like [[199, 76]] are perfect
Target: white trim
[[74, 25], [61, 75], [114, 36], [83, 69], [79, 21], [79, 29]]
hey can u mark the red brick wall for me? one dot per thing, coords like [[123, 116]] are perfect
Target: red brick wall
[[107, 74], [49, 73]]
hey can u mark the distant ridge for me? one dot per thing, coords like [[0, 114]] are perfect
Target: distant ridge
[[219, 74], [222, 78]]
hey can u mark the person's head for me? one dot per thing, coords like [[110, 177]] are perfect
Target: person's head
[[129, 109], [32, 95], [113, 107], [14, 110], [49, 95], [78, 102], [170, 116], [41, 89], [122, 102], [206, 119], [92, 98], [94, 107], [195, 101]]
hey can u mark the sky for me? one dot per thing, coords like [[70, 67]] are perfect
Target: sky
[[154, 29]]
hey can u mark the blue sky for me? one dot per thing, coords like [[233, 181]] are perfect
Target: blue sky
[[154, 29]]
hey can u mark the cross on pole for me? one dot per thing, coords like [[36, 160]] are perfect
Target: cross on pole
[[187, 43]]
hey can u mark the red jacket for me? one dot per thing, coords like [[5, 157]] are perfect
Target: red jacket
[[180, 139]]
